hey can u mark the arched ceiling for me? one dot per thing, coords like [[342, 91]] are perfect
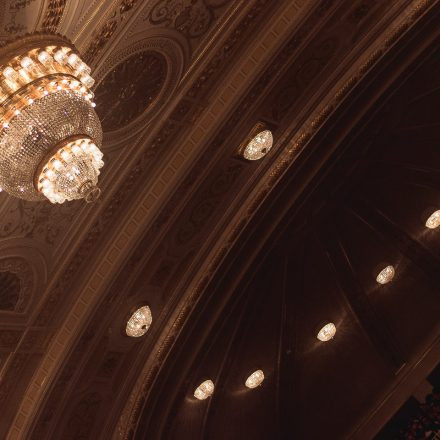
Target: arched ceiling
[[180, 86]]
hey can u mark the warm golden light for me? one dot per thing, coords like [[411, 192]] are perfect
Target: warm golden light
[[45, 107], [259, 146], [385, 275], [139, 322], [255, 379], [433, 220], [204, 390], [327, 332]]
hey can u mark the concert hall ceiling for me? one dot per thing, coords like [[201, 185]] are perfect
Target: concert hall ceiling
[[240, 262]]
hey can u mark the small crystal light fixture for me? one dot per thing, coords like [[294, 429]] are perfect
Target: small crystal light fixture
[[327, 332], [45, 110], [204, 390], [139, 322], [255, 379], [258, 143], [385, 275], [433, 220]]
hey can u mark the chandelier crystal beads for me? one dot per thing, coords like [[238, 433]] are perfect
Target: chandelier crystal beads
[[50, 135]]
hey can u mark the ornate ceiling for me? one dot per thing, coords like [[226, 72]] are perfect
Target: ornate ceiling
[[238, 261]]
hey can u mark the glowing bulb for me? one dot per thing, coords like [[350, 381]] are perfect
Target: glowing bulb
[[139, 322], [65, 155], [433, 220], [57, 164], [10, 73], [204, 390], [44, 57], [255, 379], [60, 57], [327, 332], [87, 80], [76, 150], [26, 62], [385, 275], [73, 60]]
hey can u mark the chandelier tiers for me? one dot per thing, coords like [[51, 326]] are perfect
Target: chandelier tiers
[[50, 134]]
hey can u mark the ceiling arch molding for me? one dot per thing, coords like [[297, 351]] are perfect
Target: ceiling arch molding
[[369, 69]]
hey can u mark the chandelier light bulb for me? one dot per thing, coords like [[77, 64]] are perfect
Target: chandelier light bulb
[[44, 118], [26, 62], [385, 275], [44, 58], [327, 332], [204, 390]]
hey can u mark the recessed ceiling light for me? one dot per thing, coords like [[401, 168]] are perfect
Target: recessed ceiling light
[[327, 332], [204, 390], [255, 379], [385, 275], [259, 146], [139, 322], [433, 220]]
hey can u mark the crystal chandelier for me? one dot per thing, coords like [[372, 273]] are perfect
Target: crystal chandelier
[[50, 134]]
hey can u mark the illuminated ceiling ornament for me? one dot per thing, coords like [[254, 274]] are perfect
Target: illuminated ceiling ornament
[[327, 332], [139, 322], [259, 146], [257, 143], [385, 275], [255, 379], [433, 220], [50, 134], [204, 390]]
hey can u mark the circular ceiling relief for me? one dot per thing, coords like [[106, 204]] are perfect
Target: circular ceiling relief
[[130, 88]]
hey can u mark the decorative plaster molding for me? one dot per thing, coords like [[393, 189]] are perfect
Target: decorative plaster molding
[[148, 204]]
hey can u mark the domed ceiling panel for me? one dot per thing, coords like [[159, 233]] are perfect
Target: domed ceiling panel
[[130, 89]]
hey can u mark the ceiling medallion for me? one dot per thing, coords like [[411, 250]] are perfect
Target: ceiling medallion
[[255, 379], [258, 143], [139, 322], [385, 275], [50, 134], [204, 390], [327, 332], [433, 220]]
